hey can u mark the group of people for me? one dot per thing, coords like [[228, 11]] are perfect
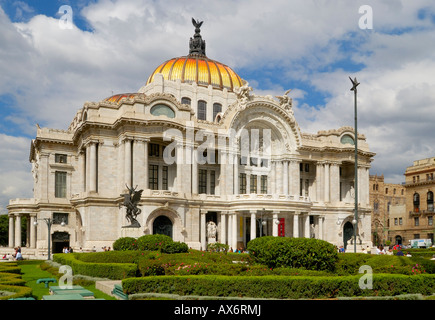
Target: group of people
[[15, 256], [67, 250], [240, 250], [381, 250]]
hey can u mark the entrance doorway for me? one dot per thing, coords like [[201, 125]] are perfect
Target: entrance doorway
[[347, 233], [398, 240], [60, 240], [162, 225]]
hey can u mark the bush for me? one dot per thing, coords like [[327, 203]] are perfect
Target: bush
[[174, 247], [125, 243], [349, 264], [280, 287], [311, 254], [150, 242], [15, 292], [113, 271], [153, 242], [217, 247]]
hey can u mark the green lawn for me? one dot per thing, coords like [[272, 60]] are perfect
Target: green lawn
[[31, 272]]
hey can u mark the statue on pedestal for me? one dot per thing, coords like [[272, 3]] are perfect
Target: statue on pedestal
[[211, 232], [131, 199]]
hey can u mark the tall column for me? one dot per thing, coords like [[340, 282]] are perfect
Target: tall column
[[203, 231], [18, 230], [230, 229], [285, 177], [296, 225], [32, 231], [294, 178], [253, 224], [326, 184], [223, 235], [307, 226], [320, 228], [146, 165], [82, 169], [127, 162], [334, 182], [180, 149], [194, 170], [319, 175], [272, 178], [278, 177], [234, 231], [138, 163], [11, 231], [223, 172], [236, 174], [275, 224], [93, 167], [88, 169]]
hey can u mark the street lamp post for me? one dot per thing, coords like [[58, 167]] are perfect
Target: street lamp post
[[49, 223], [355, 83], [263, 221]]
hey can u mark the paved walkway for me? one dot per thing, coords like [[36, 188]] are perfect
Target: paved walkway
[[107, 286]]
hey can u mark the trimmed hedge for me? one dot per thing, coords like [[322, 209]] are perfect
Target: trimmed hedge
[[150, 242], [280, 287], [349, 264], [18, 292], [311, 254], [11, 282], [114, 271]]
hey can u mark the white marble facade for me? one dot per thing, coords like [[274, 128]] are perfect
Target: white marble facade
[[303, 187]]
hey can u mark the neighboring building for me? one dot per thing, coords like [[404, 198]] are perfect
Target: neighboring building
[[388, 201], [258, 172], [420, 187]]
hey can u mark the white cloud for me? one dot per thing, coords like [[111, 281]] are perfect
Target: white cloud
[[52, 71], [15, 170]]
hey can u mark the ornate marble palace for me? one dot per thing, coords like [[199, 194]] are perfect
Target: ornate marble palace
[[260, 174]]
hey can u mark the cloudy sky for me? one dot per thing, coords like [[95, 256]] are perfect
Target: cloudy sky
[[48, 71]]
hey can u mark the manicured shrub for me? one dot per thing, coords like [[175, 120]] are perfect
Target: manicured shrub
[[281, 287], [125, 243], [174, 247], [16, 292], [153, 242], [349, 264], [311, 254], [102, 270]]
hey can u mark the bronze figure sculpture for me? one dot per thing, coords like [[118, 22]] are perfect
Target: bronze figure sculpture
[[131, 200]]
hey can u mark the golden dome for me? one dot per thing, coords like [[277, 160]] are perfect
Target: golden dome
[[196, 67], [199, 69]]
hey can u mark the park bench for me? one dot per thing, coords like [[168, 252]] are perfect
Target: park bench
[[46, 281]]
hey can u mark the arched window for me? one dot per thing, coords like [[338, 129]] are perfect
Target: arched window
[[186, 100], [430, 201], [217, 107], [416, 200], [202, 110], [162, 110]]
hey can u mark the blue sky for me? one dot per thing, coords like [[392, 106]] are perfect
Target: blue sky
[[309, 46]]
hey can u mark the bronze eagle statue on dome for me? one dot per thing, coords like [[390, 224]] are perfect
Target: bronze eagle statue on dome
[[131, 199], [196, 44], [196, 23]]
